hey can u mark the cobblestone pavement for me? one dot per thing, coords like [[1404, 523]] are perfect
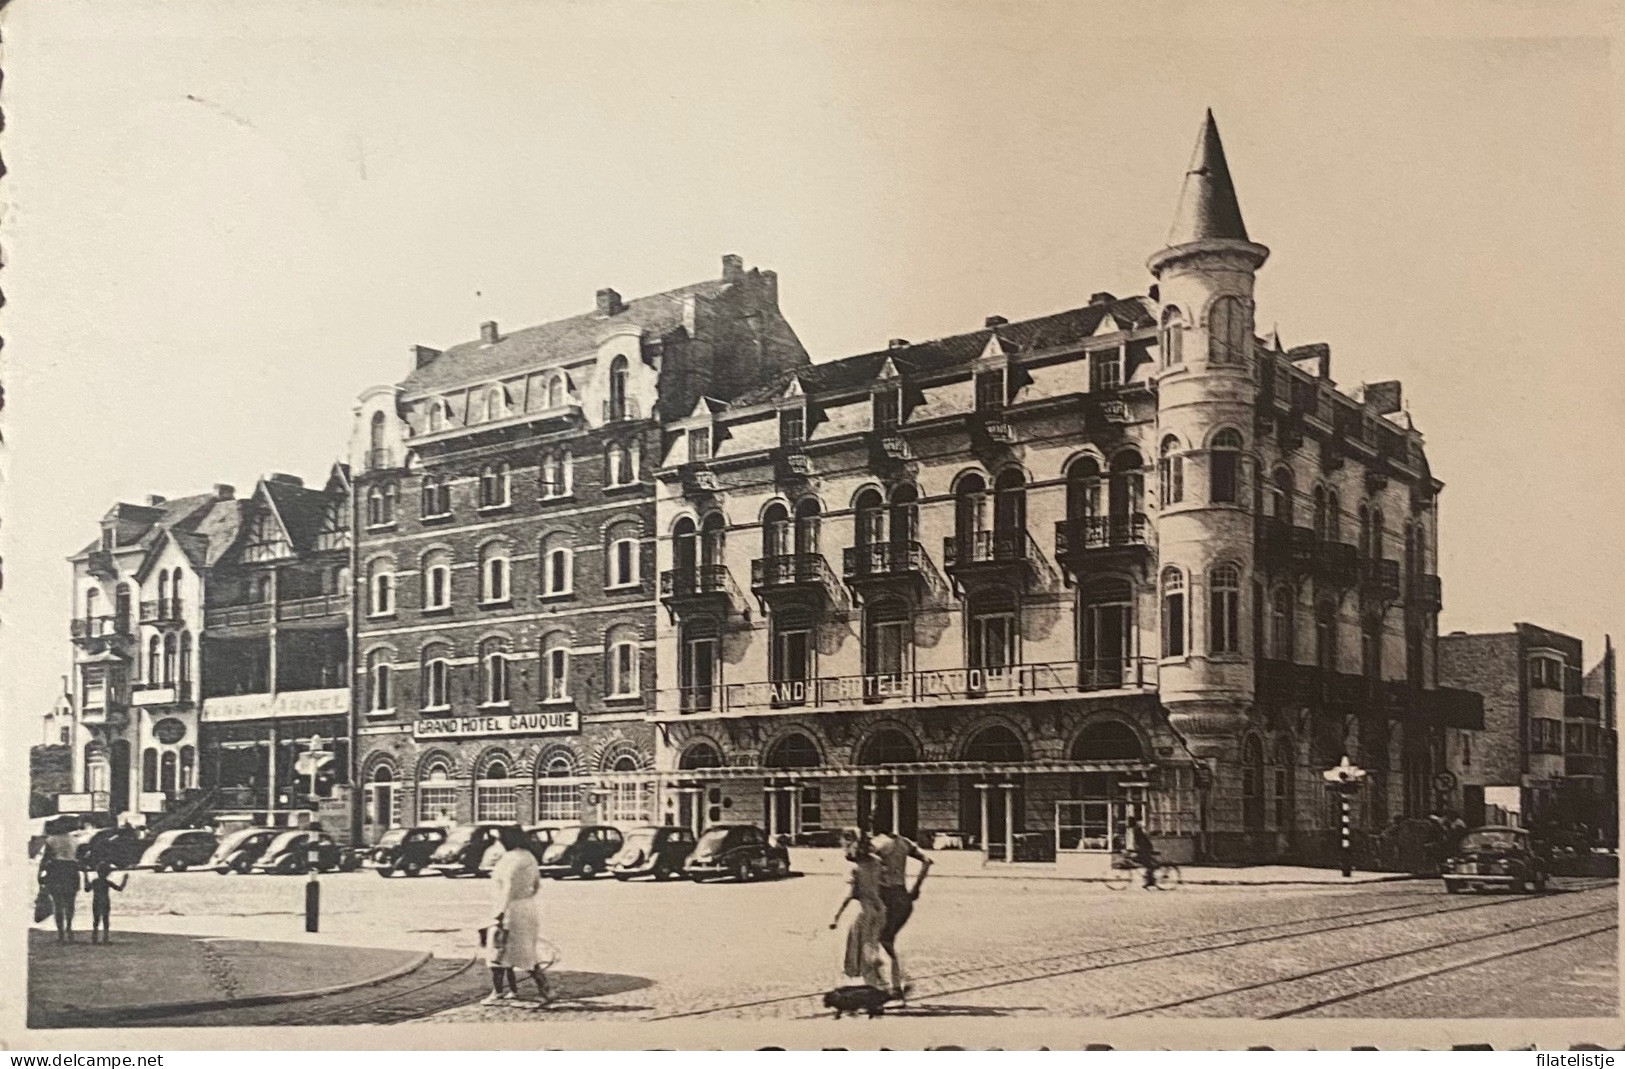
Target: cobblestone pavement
[[975, 947]]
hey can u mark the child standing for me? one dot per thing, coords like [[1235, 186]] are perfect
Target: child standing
[[101, 887]]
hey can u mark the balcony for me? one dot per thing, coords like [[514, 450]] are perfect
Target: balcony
[[991, 557], [1426, 593], [1288, 682], [801, 576], [324, 607], [698, 589], [103, 707], [1283, 547], [1337, 563], [621, 411], [1379, 579], [100, 564], [1582, 707], [166, 611], [1106, 540], [224, 616], [171, 693], [100, 627], [871, 568]]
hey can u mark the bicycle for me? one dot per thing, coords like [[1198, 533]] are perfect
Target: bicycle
[[1125, 872]]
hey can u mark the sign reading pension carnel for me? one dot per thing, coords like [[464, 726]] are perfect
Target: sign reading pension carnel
[[559, 722]]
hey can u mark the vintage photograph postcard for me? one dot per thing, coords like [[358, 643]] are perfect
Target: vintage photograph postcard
[[716, 525]]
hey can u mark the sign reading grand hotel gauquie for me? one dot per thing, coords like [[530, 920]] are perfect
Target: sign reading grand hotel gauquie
[[556, 722]]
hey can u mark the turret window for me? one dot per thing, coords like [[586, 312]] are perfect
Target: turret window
[[1227, 331], [1173, 613], [1224, 609], [1173, 337], [1171, 472], [1282, 632], [1224, 467]]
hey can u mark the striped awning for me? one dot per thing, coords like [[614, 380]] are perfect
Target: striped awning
[[912, 768]]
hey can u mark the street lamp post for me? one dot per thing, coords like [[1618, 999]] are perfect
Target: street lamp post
[[1345, 779], [308, 763]]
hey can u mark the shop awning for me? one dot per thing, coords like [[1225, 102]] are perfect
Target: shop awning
[[914, 768]]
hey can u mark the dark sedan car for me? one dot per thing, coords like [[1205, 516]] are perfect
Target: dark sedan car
[[120, 847], [657, 852], [179, 849], [289, 853], [405, 851], [1495, 857], [742, 851], [583, 850], [468, 850], [238, 851]]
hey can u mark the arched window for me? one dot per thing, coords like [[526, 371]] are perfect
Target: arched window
[[557, 474], [188, 768], [122, 599], [494, 575], [618, 372], [1320, 512], [904, 517], [1171, 472], [1108, 740], [494, 485], [556, 667], [1083, 490], [1224, 609], [1334, 517], [699, 756], [555, 392], [92, 606], [1365, 531], [169, 658], [558, 796], [1173, 337], [163, 589], [1280, 497], [437, 416], [183, 671], [1173, 612], [149, 770], [496, 404], [380, 588], [630, 801], [970, 513], [1376, 533], [869, 511], [168, 775], [1227, 331], [1252, 784], [381, 504], [621, 464], [775, 531], [888, 746], [1224, 467], [437, 794], [380, 693], [1126, 488], [685, 549], [494, 672], [1282, 637], [437, 580], [496, 798], [436, 495], [1326, 635], [808, 513], [375, 438], [621, 662], [994, 744], [623, 556], [175, 594], [795, 750], [154, 661], [435, 686], [1010, 508], [713, 531], [558, 566]]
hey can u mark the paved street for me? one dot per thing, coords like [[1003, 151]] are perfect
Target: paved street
[[978, 947]]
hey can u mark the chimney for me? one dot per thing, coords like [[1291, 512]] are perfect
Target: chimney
[[897, 343], [609, 302], [224, 491], [488, 332], [770, 283], [994, 321], [1101, 298], [155, 500], [284, 479], [1384, 397], [733, 267], [422, 354]]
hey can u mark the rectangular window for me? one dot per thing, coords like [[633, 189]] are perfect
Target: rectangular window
[[792, 428], [1106, 367], [696, 674], [623, 563], [494, 803], [1224, 465], [1173, 625], [812, 809], [630, 803], [885, 657], [556, 676], [434, 685], [888, 414], [989, 391], [436, 805], [558, 572], [992, 649], [1224, 622], [791, 668], [623, 670], [380, 688], [557, 802], [699, 445]]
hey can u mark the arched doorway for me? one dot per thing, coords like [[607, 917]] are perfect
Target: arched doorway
[[993, 803], [888, 802], [379, 810], [698, 802], [1092, 820], [118, 777], [786, 801]]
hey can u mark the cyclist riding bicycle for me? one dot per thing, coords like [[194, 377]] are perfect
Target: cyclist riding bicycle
[[1138, 849]]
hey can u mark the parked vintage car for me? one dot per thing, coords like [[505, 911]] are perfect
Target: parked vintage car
[[120, 847], [583, 850], [1495, 857], [405, 851], [468, 850], [179, 850], [538, 839], [657, 852], [742, 851], [238, 851], [289, 853]]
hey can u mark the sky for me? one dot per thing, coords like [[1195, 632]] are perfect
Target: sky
[[224, 220]]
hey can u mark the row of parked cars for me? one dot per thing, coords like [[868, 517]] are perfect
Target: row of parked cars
[[267, 850], [585, 851]]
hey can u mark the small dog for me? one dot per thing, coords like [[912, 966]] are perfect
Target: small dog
[[855, 997]]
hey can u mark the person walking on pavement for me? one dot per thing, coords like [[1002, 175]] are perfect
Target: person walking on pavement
[[101, 888], [898, 898], [516, 921], [863, 953], [59, 878]]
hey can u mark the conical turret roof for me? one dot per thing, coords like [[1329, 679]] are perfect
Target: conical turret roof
[[1207, 205]]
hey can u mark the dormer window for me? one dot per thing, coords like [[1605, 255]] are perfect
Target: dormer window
[[619, 372], [1106, 366], [990, 393], [793, 428], [555, 392], [888, 411], [107, 539], [699, 445]]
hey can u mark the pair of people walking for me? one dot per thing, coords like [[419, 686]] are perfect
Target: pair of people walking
[[59, 878], [878, 883]]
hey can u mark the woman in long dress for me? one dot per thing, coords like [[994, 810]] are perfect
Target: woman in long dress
[[59, 878], [863, 950], [516, 921]]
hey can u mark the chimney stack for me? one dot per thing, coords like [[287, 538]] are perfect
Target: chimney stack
[[284, 479], [224, 491], [422, 354], [994, 321], [770, 283], [155, 500], [488, 332], [897, 343], [1384, 397], [733, 267], [1102, 298], [609, 302]]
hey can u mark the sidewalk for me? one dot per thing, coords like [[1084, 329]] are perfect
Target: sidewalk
[[968, 864], [145, 974]]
